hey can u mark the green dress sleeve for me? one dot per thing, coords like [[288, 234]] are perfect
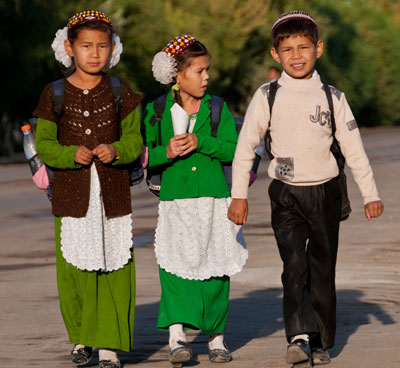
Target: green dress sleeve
[[129, 146], [50, 150], [222, 147]]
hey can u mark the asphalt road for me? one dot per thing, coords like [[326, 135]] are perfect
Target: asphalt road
[[368, 279]]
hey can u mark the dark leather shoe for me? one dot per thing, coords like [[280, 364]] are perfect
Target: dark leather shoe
[[181, 354], [320, 356], [109, 364], [219, 355], [82, 355], [298, 351]]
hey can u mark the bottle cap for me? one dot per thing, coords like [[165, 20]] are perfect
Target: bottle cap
[[26, 127]]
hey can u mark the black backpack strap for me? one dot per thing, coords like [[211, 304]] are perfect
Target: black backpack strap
[[216, 105], [273, 87], [330, 103], [118, 92], [117, 89], [335, 147], [158, 107], [57, 95]]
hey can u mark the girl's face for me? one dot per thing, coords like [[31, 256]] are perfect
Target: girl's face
[[90, 50], [193, 80], [298, 55]]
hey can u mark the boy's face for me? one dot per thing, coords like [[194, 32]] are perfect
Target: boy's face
[[298, 55]]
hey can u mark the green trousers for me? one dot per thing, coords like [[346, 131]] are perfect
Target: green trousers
[[98, 308], [196, 304]]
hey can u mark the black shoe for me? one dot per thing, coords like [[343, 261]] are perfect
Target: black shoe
[[298, 351], [320, 356], [219, 355], [109, 364], [82, 355], [181, 354]]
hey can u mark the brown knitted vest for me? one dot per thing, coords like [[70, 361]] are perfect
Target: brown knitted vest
[[89, 118]]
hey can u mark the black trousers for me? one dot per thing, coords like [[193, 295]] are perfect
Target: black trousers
[[305, 220]]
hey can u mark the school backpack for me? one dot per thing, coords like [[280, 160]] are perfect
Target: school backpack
[[335, 147], [153, 178], [136, 172]]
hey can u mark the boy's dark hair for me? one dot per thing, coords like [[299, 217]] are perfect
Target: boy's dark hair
[[294, 27], [194, 50]]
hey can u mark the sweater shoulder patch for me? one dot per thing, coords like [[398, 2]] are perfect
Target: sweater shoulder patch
[[335, 92]]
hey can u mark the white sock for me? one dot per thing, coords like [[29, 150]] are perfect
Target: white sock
[[305, 337], [216, 342], [176, 334], [78, 346], [108, 354]]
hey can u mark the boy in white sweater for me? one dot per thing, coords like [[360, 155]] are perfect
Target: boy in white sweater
[[305, 195]]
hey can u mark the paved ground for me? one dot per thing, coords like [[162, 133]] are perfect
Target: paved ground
[[368, 279]]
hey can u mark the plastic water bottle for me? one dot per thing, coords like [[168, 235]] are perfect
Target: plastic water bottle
[[34, 160]]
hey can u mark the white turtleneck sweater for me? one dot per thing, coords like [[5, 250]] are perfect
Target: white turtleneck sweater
[[301, 137]]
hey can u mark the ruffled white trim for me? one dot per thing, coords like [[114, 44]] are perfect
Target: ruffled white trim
[[96, 242], [59, 49], [116, 54], [62, 56], [164, 67], [195, 240]]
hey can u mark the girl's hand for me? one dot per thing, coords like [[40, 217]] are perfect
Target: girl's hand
[[186, 143], [238, 210], [83, 155], [373, 209], [105, 152], [172, 150]]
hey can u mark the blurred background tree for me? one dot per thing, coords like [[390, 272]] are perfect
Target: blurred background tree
[[362, 48]]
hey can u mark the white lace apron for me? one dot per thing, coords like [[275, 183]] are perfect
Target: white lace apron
[[96, 242], [195, 240]]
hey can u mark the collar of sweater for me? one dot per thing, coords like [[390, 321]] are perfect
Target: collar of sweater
[[300, 84]]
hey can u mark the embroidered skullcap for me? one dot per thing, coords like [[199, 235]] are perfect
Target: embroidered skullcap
[[178, 44], [293, 15], [89, 16], [164, 65], [85, 16]]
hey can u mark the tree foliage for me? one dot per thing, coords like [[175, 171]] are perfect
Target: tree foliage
[[362, 50]]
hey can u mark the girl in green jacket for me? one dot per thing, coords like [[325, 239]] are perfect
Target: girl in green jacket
[[196, 246]]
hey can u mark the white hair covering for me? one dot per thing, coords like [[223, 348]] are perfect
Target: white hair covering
[[62, 56]]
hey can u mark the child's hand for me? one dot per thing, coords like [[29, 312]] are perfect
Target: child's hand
[[186, 143], [373, 209], [105, 152], [83, 155], [238, 210], [172, 150]]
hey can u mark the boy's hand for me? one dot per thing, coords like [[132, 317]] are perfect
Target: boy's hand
[[238, 210], [373, 209], [186, 143], [105, 152], [83, 155]]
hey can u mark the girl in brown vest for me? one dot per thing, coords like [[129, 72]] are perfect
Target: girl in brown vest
[[87, 147]]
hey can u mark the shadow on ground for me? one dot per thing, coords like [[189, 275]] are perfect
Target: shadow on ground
[[258, 314]]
